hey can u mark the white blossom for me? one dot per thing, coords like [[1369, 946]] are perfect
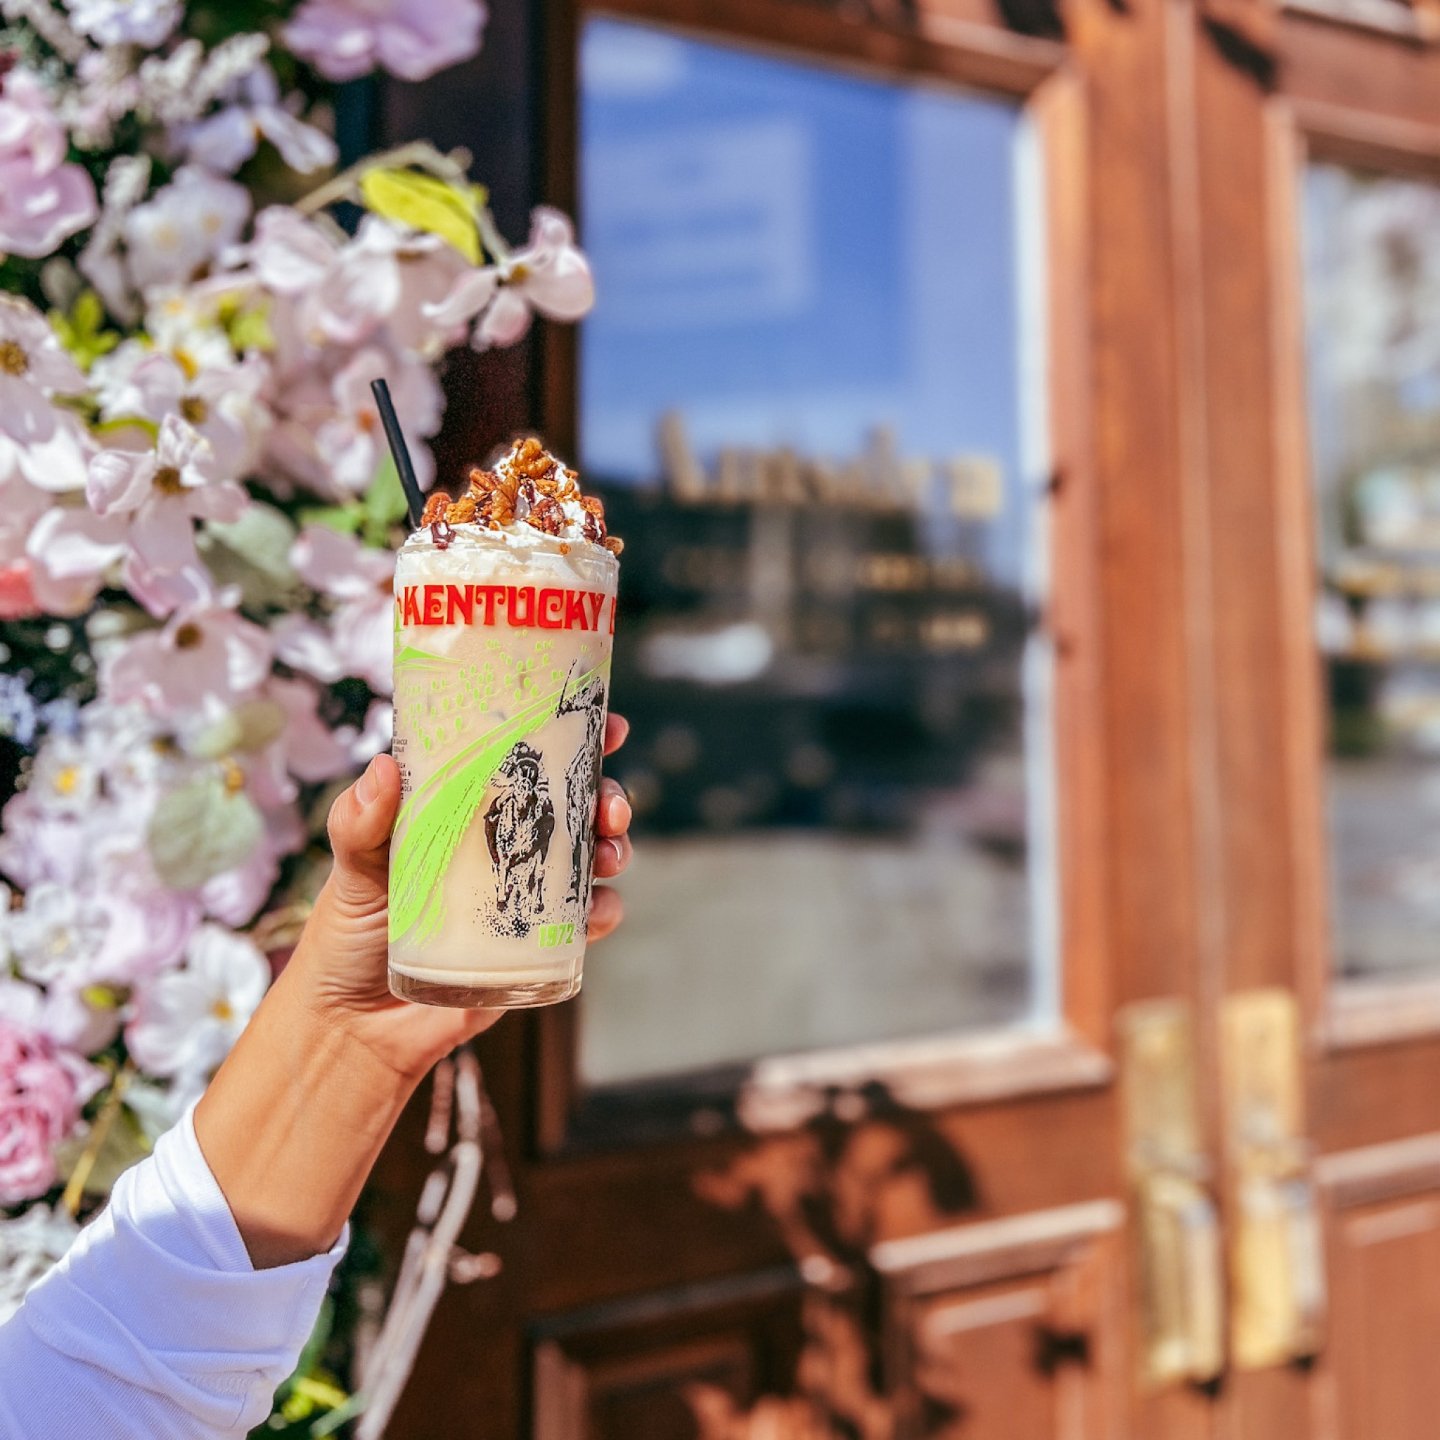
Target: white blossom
[[181, 229], [126, 22], [187, 1020], [29, 1245]]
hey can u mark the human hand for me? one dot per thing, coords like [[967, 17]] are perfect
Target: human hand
[[339, 965]]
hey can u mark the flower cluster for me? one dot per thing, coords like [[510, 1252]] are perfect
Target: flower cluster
[[195, 494]]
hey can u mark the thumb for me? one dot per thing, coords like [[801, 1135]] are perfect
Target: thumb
[[360, 823]]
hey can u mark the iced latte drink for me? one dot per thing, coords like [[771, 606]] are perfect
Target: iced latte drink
[[504, 614]]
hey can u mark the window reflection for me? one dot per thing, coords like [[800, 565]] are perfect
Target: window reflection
[[1373, 297], [803, 394]]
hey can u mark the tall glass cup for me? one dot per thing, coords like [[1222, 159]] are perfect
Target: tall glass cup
[[502, 671]]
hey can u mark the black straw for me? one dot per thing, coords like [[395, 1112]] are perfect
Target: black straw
[[403, 464]]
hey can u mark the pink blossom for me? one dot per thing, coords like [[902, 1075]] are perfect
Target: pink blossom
[[42, 198], [252, 111], [219, 400], [71, 552], [205, 658], [550, 275], [54, 556], [41, 1091], [182, 228], [329, 436], [17, 594], [33, 367], [21, 507], [235, 896], [163, 490], [344, 293], [289, 254], [428, 269], [149, 924], [374, 736], [307, 748], [345, 39], [56, 464], [162, 593], [37, 845], [76, 1021], [360, 583]]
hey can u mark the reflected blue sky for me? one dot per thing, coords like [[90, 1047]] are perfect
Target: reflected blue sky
[[788, 254]]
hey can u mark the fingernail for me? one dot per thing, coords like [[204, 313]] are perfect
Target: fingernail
[[368, 787], [624, 802]]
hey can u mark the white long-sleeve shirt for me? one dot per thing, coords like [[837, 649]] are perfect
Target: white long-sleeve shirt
[[156, 1326]]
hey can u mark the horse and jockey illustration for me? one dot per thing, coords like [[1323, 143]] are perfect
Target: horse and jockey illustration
[[520, 819], [518, 828]]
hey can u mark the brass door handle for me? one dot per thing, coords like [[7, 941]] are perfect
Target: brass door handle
[[1181, 1255], [1277, 1257], [1182, 1266]]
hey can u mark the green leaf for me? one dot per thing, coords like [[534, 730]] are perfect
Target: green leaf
[[103, 997], [82, 332], [250, 329], [329, 1424], [384, 504], [347, 519], [251, 726], [124, 1145], [121, 423], [88, 314], [314, 1350], [201, 830], [425, 203], [254, 553]]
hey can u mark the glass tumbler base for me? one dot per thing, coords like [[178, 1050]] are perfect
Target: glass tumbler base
[[484, 997]]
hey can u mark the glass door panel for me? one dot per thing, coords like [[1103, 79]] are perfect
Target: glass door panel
[[1373, 304], [808, 394]]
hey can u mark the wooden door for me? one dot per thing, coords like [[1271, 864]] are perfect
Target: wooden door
[[1018, 1225], [1305, 409]]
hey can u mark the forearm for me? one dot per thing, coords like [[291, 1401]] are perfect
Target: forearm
[[293, 1122]]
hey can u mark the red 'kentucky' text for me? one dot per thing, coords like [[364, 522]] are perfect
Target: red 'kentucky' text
[[518, 606]]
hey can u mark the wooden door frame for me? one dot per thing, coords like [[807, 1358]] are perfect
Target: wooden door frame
[[944, 1070]]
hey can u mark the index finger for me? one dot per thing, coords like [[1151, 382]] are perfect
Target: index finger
[[617, 727]]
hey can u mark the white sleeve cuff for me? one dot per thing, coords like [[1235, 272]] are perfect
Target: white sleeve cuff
[[160, 1292]]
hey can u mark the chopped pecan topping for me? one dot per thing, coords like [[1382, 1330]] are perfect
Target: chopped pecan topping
[[530, 485], [547, 515]]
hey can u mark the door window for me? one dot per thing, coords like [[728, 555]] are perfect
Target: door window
[[809, 391], [1373, 303]]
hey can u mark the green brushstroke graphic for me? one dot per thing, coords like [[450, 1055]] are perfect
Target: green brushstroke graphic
[[439, 812]]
